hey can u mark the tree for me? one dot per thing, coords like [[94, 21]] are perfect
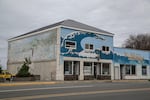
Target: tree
[[140, 41], [0, 69], [24, 71]]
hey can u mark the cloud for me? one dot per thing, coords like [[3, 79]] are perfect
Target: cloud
[[122, 17]]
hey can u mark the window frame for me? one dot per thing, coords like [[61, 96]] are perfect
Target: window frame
[[70, 46], [70, 68], [129, 69], [87, 68], [89, 46], [105, 48]]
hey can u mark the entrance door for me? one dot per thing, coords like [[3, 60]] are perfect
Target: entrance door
[[122, 72], [95, 71]]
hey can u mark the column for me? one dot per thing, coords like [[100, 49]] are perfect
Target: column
[[111, 66], [81, 76]]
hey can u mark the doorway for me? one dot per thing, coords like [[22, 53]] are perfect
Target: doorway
[[122, 72]]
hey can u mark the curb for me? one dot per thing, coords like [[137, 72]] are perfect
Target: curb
[[27, 83], [52, 82], [131, 81]]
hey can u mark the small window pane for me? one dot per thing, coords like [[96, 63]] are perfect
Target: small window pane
[[107, 48], [91, 46], [86, 46], [103, 48]]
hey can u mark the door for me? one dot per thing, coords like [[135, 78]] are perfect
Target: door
[[95, 71], [122, 72]]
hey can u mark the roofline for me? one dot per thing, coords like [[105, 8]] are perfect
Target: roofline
[[132, 49], [104, 33], [57, 26], [32, 34]]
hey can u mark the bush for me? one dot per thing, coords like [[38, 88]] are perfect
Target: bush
[[24, 71]]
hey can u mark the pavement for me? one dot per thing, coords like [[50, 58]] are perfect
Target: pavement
[[82, 90]]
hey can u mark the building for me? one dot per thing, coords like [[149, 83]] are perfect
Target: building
[[70, 50]]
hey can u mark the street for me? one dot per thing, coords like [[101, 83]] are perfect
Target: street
[[78, 90]]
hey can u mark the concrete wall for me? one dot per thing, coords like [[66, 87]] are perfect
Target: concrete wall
[[46, 69], [40, 48]]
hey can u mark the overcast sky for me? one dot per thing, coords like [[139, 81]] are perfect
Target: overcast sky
[[121, 17]]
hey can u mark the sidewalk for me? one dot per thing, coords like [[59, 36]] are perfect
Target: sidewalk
[[62, 82]]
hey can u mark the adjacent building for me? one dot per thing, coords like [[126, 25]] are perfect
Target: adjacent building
[[70, 50]]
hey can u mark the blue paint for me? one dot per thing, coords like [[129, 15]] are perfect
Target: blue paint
[[139, 57], [118, 55], [82, 38]]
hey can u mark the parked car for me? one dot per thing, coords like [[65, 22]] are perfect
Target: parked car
[[5, 75]]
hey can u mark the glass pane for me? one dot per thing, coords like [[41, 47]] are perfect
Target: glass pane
[[144, 70], [128, 70], [68, 67], [105, 68], [87, 68], [133, 69], [91, 46]]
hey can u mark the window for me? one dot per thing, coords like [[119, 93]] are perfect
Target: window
[[89, 46], [144, 70], [71, 44], [105, 69], [130, 69], [87, 68], [68, 67], [105, 48], [133, 70]]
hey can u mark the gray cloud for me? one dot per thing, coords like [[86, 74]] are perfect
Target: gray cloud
[[122, 17]]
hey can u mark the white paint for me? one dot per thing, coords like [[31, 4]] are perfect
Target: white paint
[[33, 89], [116, 72], [89, 54]]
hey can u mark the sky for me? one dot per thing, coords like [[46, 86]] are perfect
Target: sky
[[121, 17]]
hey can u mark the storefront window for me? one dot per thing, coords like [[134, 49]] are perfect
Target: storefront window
[[67, 67], [105, 69], [130, 69], [87, 68]]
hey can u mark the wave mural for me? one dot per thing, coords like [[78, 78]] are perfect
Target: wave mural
[[82, 38]]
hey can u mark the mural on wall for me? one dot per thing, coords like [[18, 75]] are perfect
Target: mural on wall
[[77, 40], [37, 47], [129, 56]]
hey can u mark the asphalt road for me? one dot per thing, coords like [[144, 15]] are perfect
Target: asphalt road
[[81, 91]]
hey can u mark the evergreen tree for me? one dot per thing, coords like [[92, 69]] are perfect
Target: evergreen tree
[[0, 69], [24, 71]]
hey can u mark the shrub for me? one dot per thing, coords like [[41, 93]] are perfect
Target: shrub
[[24, 71]]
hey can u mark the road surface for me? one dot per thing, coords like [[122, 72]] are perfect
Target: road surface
[[81, 91]]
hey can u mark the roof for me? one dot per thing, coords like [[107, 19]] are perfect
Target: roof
[[131, 49], [68, 23]]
